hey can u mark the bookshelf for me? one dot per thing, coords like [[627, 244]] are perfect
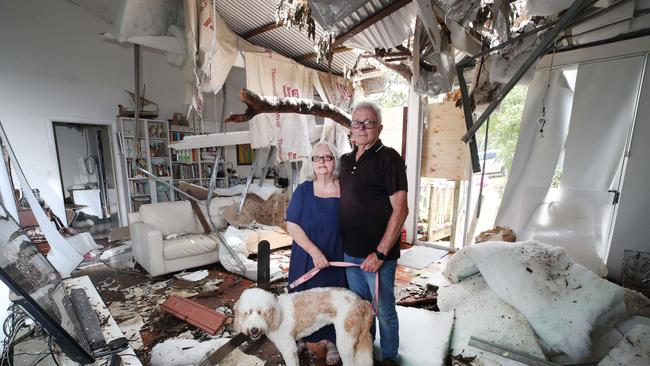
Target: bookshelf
[[145, 145], [194, 165]]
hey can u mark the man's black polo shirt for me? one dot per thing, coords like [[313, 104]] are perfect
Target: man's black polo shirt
[[366, 186]]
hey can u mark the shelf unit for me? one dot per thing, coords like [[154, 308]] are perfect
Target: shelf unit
[[194, 165], [145, 145]]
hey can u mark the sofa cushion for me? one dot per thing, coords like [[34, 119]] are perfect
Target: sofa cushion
[[170, 217], [187, 246]]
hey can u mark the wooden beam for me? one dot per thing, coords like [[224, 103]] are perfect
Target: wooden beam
[[313, 54], [263, 29], [340, 38]]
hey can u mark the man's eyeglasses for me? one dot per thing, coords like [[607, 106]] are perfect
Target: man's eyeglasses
[[316, 158], [368, 124]]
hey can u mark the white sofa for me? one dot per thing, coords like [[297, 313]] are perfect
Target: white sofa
[[154, 222]]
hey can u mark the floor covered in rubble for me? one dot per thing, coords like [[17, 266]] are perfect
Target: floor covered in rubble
[[133, 298]]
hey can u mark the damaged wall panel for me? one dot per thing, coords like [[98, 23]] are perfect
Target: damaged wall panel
[[443, 153]]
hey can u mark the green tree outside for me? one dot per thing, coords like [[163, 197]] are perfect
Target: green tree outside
[[504, 126]]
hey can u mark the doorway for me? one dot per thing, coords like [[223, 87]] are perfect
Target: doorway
[[87, 173]]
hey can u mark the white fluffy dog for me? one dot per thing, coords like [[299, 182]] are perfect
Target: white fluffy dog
[[289, 317]]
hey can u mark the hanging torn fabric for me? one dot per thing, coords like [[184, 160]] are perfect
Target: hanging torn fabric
[[213, 55], [270, 74], [339, 92]]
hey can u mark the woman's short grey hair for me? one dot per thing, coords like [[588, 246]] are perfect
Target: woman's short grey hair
[[311, 176], [368, 105]]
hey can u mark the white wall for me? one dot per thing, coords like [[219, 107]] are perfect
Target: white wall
[[54, 65]]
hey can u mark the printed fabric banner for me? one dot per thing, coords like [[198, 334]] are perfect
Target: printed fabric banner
[[270, 74], [339, 92]]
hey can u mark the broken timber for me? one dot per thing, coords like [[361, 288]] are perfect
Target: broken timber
[[258, 104]]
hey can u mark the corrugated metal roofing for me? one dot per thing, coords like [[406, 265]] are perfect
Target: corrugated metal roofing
[[245, 16]]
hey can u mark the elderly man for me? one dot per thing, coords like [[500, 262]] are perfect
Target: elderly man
[[373, 210]]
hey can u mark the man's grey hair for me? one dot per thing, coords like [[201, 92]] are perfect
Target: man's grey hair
[[368, 105], [310, 165]]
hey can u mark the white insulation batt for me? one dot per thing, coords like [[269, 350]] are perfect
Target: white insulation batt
[[634, 349], [481, 313], [424, 337], [561, 300]]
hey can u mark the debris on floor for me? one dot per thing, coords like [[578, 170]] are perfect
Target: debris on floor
[[559, 299], [633, 350], [180, 352], [194, 313], [424, 336], [480, 312], [192, 276]]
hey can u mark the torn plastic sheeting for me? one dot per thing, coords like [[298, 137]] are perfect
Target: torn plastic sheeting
[[434, 71], [478, 311], [573, 219], [328, 13], [561, 300]]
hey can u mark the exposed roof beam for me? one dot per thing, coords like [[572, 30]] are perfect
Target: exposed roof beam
[[263, 29], [313, 54], [340, 38]]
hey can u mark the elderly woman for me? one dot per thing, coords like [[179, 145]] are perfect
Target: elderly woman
[[313, 223]]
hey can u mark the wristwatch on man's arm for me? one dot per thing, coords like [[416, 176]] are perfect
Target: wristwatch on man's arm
[[381, 256]]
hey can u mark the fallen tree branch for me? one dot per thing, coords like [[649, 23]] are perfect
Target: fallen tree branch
[[258, 104]]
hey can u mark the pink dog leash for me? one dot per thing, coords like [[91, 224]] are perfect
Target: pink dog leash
[[309, 275]]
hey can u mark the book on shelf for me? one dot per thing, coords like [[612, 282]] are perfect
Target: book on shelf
[[134, 148], [139, 187], [185, 171]]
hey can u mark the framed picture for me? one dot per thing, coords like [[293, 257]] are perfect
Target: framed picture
[[244, 154]]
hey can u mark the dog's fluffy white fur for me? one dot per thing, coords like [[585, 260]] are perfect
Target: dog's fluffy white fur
[[289, 317]]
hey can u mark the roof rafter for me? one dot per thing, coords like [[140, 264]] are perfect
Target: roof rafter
[[365, 24], [263, 29]]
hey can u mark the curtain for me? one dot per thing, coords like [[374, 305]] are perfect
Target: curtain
[[537, 153], [600, 120]]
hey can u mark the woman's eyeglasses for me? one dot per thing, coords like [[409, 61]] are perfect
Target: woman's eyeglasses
[[316, 158], [368, 124]]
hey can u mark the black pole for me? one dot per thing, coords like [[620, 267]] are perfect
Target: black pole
[[264, 265]]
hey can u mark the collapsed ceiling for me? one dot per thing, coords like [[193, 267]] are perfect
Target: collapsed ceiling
[[355, 38]]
